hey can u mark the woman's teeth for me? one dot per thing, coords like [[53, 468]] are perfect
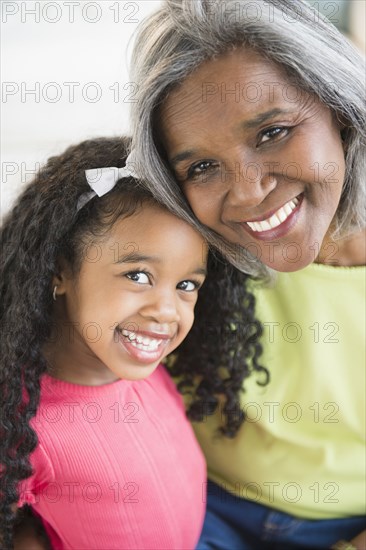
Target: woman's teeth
[[276, 219], [141, 342]]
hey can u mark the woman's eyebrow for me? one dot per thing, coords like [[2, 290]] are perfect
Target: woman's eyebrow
[[247, 125], [263, 117], [184, 155]]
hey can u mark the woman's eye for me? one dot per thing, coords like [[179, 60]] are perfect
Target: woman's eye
[[273, 133], [139, 277], [188, 286], [201, 168]]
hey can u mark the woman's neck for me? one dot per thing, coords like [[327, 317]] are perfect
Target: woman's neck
[[348, 252]]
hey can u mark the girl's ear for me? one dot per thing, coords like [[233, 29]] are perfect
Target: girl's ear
[[61, 279]]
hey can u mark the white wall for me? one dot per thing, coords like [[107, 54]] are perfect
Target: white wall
[[45, 44]]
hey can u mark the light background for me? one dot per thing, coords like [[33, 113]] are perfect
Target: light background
[[47, 44], [42, 55]]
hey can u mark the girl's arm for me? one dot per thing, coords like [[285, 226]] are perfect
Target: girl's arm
[[29, 534]]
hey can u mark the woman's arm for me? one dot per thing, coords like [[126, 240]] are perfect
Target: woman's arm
[[359, 543]]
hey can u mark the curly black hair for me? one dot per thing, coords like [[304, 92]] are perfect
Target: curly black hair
[[222, 349], [44, 226]]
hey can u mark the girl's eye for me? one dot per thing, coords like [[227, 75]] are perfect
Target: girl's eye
[[273, 133], [188, 286], [201, 168], [139, 277]]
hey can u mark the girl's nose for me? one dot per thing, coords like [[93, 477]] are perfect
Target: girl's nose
[[161, 307]]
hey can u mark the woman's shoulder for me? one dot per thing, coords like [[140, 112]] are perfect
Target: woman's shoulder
[[316, 275]]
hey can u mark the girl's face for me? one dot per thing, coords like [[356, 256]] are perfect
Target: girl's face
[[260, 161], [133, 300]]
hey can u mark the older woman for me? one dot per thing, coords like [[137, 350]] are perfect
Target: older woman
[[253, 112]]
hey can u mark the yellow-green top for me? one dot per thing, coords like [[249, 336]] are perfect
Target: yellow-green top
[[302, 448]]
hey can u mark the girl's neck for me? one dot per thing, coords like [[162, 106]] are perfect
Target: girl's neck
[[75, 366]]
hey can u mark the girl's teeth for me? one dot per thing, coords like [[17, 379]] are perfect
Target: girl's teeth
[[130, 335], [142, 342], [276, 219], [152, 345]]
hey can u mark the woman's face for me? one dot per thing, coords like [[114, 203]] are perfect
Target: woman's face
[[260, 161]]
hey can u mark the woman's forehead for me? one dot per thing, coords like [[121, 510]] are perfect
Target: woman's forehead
[[241, 78], [238, 75]]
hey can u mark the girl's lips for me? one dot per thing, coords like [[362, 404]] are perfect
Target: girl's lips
[[144, 356], [279, 231], [152, 334]]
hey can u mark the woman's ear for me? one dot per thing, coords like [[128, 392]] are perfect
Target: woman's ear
[[344, 135], [344, 130]]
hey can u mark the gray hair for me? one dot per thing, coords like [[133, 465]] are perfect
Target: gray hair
[[181, 34]]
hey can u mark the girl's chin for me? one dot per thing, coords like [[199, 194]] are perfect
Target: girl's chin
[[132, 371]]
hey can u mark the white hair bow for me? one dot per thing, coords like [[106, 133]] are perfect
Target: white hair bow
[[103, 180]]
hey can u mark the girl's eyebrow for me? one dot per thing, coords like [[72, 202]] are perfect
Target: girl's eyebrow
[[247, 125], [201, 271], [135, 257]]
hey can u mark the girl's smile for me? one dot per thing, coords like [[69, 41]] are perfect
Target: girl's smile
[[144, 346], [132, 303], [263, 171]]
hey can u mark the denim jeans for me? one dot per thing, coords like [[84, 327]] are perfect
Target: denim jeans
[[234, 523]]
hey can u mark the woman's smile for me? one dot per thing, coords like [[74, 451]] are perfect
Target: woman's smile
[[256, 172], [277, 223]]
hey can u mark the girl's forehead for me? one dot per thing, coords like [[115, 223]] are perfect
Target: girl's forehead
[[151, 234], [154, 225]]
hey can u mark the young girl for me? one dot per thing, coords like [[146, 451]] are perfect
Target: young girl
[[95, 292]]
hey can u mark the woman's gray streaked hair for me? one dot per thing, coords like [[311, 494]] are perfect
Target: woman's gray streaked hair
[[178, 37]]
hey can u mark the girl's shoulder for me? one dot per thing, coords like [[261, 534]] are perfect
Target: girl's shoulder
[[62, 403], [161, 378], [43, 473]]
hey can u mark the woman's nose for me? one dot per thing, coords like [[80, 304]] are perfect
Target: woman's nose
[[161, 307], [249, 184]]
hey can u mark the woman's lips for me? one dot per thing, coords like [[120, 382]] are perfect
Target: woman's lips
[[276, 223]]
